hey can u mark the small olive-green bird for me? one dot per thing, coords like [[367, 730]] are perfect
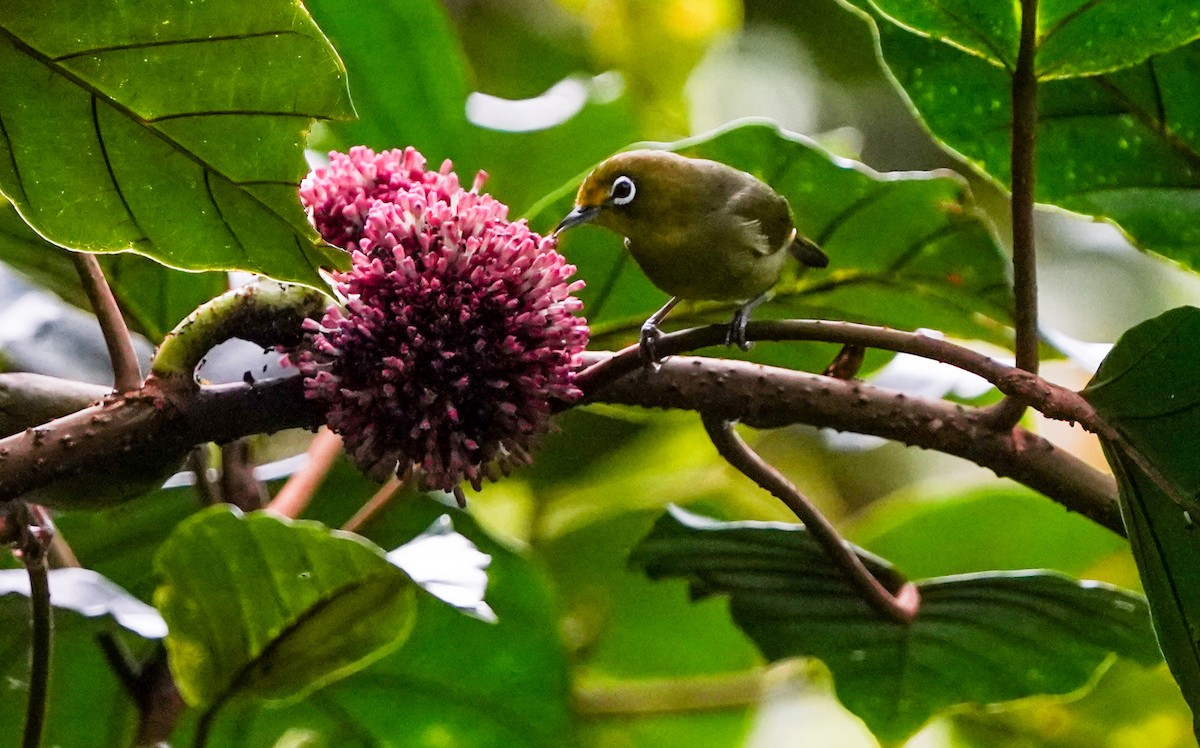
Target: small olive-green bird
[[699, 229]]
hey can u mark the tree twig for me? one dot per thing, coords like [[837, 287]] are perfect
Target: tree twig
[[1023, 169], [901, 606], [375, 504], [34, 531], [127, 374], [296, 494], [239, 486]]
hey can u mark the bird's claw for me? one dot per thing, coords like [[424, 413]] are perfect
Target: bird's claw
[[736, 335], [648, 346]]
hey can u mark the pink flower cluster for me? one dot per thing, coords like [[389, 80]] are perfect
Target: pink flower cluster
[[459, 328]]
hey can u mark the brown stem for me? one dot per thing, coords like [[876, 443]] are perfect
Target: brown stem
[[34, 531], [127, 374], [901, 607], [1023, 169], [375, 504], [238, 484], [206, 488], [294, 497]]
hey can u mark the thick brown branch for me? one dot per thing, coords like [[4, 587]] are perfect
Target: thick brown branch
[[768, 397], [123, 446], [112, 451], [1051, 400]]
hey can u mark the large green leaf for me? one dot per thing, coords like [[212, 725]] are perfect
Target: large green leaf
[[934, 264], [931, 536], [260, 606], [978, 638], [1147, 388], [1124, 146], [171, 128], [457, 681], [1074, 37]]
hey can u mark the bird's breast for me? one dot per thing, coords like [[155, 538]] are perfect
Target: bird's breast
[[705, 268]]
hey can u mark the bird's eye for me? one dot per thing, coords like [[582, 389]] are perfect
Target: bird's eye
[[623, 191]]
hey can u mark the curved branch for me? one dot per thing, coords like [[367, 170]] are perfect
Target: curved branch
[[1051, 400], [769, 397], [901, 607]]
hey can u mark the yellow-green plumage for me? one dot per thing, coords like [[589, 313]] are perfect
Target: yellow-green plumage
[[699, 229]]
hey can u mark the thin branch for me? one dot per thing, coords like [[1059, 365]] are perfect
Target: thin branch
[[238, 484], [127, 374], [34, 531], [206, 488], [368, 511], [294, 497], [900, 607], [673, 695], [1023, 169]]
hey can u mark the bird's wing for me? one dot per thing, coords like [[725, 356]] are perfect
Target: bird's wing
[[767, 213], [750, 231]]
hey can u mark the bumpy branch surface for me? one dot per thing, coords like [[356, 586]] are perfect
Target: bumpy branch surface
[[768, 397], [123, 436]]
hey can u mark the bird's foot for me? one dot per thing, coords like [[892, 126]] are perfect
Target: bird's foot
[[736, 335], [648, 345]]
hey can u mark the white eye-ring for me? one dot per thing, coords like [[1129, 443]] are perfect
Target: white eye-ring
[[623, 190]]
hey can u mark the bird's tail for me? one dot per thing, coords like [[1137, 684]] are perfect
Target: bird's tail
[[807, 252]]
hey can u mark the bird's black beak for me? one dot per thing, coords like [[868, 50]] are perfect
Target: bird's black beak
[[581, 214]]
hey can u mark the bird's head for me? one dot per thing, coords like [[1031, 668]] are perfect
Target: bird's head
[[626, 190]]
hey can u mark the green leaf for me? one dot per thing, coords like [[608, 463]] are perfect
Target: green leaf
[[457, 681], [80, 674], [153, 297], [407, 75], [173, 129], [988, 29], [260, 606], [937, 264], [978, 638], [1146, 388], [1123, 146], [1086, 37], [956, 534], [1074, 37]]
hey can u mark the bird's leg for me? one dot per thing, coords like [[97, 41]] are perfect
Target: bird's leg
[[737, 327], [648, 343]]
